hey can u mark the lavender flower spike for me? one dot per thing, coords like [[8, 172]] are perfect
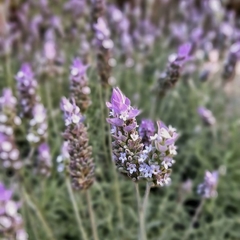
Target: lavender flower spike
[[8, 113], [27, 90], [9, 153], [79, 85], [81, 164], [176, 61], [207, 189], [11, 222], [207, 116], [127, 146]]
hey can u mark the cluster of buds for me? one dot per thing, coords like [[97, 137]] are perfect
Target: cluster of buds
[[81, 166], [231, 62], [11, 222], [9, 121], [176, 61], [27, 90], [38, 125], [146, 131], [63, 158], [79, 88], [105, 44], [151, 162], [207, 189], [9, 153], [206, 116], [8, 114], [44, 160]]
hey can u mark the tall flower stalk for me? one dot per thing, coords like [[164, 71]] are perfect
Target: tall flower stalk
[[149, 159], [81, 165]]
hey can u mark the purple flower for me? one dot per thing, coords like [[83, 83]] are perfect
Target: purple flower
[[11, 221], [71, 112], [27, 90], [44, 159], [5, 194], [37, 132], [207, 189], [206, 116], [184, 50], [9, 153], [78, 69], [7, 99], [146, 130], [121, 107]]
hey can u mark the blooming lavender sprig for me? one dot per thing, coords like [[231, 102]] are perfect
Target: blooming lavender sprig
[[206, 116], [11, 222], [9, 152], [127, 146], [44, 160], [8, 114], [176, 61], [150, 162], [105, 45], [81, 164], [207, 189], [27, 90], [146, 130], [79, 88], [37, 132]]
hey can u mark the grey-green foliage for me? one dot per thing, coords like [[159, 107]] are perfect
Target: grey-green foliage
[[169, 211]]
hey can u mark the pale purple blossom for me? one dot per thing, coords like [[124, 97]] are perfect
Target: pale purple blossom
[[146, 130], [206, 116], [44, 160], [11, 222], [207, 189]]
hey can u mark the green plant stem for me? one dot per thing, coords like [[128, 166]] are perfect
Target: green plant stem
[[39, 214], [76, 210], [195, 218], [142, 206], [51, 111], [92, 216]]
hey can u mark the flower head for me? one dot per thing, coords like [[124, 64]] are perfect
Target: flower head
[[44, 159], [207, 189], [207, 116]]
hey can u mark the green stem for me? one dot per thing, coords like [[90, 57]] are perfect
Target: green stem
[[39, 215], [195, 218], [92, 217], [76, 211]]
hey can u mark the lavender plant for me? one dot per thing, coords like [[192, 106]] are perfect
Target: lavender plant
[[11, 221]]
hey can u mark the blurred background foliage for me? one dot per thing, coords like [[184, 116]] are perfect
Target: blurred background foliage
[[200, 148]]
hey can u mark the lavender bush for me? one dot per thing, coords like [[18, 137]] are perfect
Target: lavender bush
[[152, 104]]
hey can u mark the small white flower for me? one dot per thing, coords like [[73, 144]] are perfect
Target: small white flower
[[11, 208], [147, 149], [172, 149], [14, 154], [123, 157], [134, 136], [155, 169], [154, 137], [132, 168], [142, 157], [3, 118], [124, 116]]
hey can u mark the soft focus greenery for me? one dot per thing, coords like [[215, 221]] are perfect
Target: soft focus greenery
[[170, 210]]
